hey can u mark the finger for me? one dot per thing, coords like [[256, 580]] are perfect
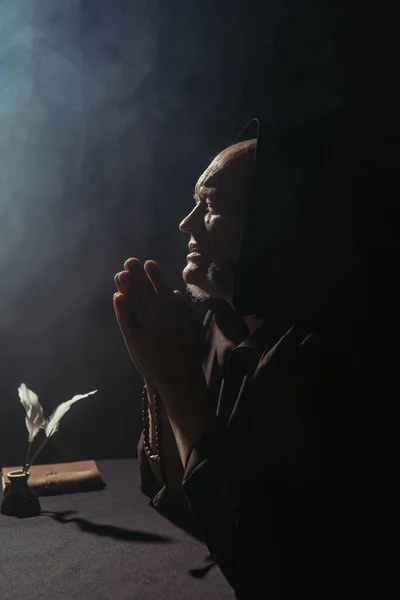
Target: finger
[[138, 304], [158, 279], [131, 262], [126, 321], [140, 282], [122, 281], [119, 284]]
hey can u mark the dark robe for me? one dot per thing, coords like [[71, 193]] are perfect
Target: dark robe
[[284, 493]]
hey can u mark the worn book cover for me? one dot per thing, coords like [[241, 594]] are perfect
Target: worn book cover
[[60, 478]]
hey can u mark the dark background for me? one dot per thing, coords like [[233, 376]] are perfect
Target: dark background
[[109, 111]]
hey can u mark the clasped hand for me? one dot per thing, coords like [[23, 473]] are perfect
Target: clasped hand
[[163, 334]]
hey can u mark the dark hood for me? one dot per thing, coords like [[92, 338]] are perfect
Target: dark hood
[[309, 233]]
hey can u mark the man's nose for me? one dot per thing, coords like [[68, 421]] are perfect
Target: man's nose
[[192, 222]]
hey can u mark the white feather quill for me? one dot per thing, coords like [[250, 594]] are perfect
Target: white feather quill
[[34, 419], [54, 421]]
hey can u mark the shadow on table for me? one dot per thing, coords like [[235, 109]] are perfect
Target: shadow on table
[[129, 535], [123, 534], [185, 521]]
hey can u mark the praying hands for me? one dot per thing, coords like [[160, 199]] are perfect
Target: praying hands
[[165, 340]]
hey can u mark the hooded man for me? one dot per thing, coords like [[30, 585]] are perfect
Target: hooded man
[[269, 402]]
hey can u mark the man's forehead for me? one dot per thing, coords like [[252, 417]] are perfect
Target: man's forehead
[[211, 176], [205, 181], [231, 164]]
